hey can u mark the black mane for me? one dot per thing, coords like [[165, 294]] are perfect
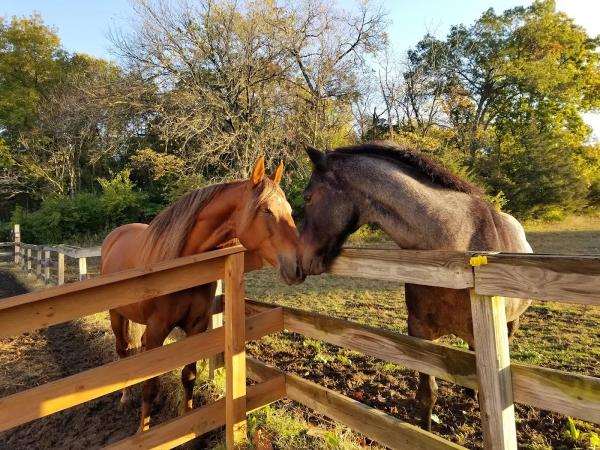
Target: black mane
[[417, 160]]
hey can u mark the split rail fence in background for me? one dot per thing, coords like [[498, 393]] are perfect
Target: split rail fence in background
[[489, 369], [47, 262]]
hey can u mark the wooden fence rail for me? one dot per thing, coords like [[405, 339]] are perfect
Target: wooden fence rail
[[489, 369], [37, 259]]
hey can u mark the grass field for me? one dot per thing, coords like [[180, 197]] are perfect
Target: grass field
[[552, 335]]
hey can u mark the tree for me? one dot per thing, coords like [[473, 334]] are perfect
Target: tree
[[513, 87], [239, 80], [30, 64]]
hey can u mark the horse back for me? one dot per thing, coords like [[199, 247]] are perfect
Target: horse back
[[121, 249]]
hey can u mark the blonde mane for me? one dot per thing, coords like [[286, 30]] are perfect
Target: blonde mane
[[169, 230]]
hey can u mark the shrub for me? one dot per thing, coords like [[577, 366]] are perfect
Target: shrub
[[85, 216]]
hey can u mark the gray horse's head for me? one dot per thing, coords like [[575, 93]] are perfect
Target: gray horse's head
[[330, 215]]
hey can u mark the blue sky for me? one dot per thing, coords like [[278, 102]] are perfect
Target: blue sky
[[83, 25]]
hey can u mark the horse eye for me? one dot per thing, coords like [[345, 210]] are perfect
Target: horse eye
[[307, 198], [268, 211]]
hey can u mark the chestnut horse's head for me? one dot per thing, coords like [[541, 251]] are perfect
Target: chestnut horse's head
[[266, 226], [330, 215]]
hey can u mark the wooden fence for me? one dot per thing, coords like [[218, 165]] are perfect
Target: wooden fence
[[47, 262], [489, 369]]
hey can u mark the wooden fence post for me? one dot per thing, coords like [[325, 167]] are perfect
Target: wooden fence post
[[28, 259], [61, 268], [82, 269], [235, 353], [38, 262], [17, 239], [47, 266], [216, 321], [493, 371]]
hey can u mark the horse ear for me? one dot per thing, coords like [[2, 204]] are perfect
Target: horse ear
[[278, 173], [317, 157], [258, 173]]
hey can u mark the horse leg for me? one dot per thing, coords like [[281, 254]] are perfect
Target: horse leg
[[154, 336], [512, 328], [427, 392], [188, 379], [120, 327], [196, 322], [427, 395]]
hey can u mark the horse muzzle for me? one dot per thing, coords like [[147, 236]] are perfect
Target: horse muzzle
[[291, 271]]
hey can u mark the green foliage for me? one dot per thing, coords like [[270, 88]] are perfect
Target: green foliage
[[30, 57], [59, 219], [122, 202], [497, 101], [293, 186], [65, 219], [513, 86], [590, 439]]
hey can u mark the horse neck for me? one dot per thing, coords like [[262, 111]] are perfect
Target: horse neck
[[414, 214], [216, 223]]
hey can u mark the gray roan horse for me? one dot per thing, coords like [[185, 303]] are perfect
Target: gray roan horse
[[421, 206]]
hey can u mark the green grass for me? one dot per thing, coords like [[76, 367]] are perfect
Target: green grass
[[575, 235]]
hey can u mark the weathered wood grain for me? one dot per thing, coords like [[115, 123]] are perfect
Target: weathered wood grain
[[17, 240], [553, 390], [570, 279], [442, 361], [216, 321], [83, 275], [566, 393], [371, 422], [58, 395], [494, 373], [61, 269], [235, 353], [46, 266], [434, 268]]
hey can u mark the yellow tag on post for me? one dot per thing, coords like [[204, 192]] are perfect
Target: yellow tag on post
[[480, 260]]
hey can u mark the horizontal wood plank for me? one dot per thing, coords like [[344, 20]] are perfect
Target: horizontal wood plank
[[449, 269], [570, 279], [369, 421], [56, 396], [199, 421], [553, 390], [40, 309], [442, 361]]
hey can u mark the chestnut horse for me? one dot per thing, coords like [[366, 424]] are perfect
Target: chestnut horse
[[421, 206], [254, 211]]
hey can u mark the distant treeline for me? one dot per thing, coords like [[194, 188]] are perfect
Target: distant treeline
[[201, 90]]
